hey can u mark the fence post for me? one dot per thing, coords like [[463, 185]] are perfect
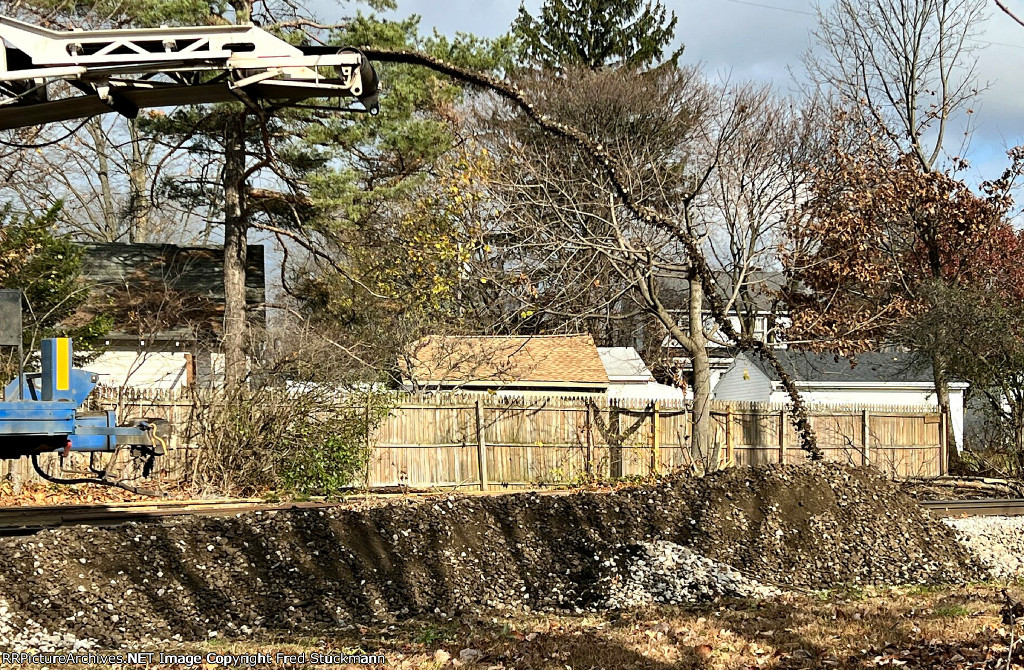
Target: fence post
[[865, 445], [369, 449], [614, 441], [782, 435], [943, 442], [655, 441], [728, 435], [589, 464], [481, 446]]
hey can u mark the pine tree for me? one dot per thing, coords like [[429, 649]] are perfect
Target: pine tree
[[46, 267], [596, 33]]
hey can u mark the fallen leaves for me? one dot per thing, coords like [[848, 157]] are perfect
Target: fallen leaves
[[33, 493]]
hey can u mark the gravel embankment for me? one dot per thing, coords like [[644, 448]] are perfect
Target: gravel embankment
[[813, 526], [27, 635], [996, 541]]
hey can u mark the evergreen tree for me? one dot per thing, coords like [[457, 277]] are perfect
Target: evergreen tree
[[46, 267], [596, 33], [389, 195]]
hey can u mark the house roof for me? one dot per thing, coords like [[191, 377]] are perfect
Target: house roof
[[649, 391], [165, 291], [624, 365], [570, 361], [807, 366]]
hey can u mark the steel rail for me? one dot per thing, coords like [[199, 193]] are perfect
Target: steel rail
[[982, 507], [21, 520], [29, 519]]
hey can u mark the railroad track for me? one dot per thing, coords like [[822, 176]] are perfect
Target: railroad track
[[29, 519], [20, 520], [985, 507]]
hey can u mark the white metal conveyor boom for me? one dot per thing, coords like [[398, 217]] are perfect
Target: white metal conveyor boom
[[127, 70]]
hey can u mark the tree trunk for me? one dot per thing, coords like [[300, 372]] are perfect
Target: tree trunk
[[138, 200], [701, 446], [695, 342], [234, 251], [110, 222], [1018, 436], [703, 433], [942, 393]]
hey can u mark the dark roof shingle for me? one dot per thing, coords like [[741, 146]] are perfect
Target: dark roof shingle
[[867, 367]]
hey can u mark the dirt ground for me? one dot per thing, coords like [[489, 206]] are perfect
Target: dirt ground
[[509, 581], [919, 627]]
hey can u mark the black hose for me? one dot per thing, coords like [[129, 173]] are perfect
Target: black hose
[[102, 482]]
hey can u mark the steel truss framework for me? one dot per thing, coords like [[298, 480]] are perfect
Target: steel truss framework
[[125, 71]]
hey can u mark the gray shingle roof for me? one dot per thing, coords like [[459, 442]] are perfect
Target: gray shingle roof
[[867, 367]]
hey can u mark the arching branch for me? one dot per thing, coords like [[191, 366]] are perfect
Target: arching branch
[[605, 162], [1007, 11]]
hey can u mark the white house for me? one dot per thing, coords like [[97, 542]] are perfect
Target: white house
[[167, 305], [872, 378]]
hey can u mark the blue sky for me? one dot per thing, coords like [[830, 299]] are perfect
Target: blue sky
[[762, 40]]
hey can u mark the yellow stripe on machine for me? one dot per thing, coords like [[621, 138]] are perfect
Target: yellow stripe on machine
[[63, 380]]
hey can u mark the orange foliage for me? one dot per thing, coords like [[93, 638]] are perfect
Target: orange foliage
[[877, 230]]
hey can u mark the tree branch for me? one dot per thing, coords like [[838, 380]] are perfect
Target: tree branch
[[601, 157]]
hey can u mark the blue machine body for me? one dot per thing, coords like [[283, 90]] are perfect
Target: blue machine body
[[47, 414]]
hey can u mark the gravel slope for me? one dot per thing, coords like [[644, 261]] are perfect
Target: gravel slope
[[813, 526], [996, 541]]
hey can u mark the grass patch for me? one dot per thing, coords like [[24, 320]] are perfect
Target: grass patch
[[952, 611], [925, 589]]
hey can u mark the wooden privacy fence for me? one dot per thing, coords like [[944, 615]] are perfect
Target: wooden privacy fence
[[487, 440]]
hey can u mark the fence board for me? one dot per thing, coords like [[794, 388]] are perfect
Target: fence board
[[430, 440]]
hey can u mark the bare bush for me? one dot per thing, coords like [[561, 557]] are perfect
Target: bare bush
[[294, 426]]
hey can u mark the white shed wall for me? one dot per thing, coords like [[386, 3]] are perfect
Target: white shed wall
[[147, 369]]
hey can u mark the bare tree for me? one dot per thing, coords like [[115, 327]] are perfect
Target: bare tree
[[569, 250], [759, 189], [101, 173], [907, 68], [907, 71]]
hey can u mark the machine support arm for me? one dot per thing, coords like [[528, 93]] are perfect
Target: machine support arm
[[125, 71]]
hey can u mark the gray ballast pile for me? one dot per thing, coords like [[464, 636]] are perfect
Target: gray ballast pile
[[195, 578], [996, 541], [666, 573]]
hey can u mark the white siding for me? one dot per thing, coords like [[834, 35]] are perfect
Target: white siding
[[147, 369], [883, 396], [743, 381], [651, 391]]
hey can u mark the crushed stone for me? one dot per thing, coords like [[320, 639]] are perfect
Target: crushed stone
[[193, 578], [666, 573], [996, 541], [28, 636]]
